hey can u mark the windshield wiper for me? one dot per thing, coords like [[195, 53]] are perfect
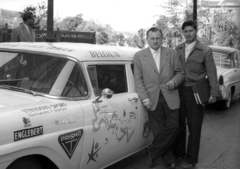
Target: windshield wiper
[[20, 90]]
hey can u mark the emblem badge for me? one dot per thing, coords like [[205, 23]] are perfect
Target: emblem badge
[[69, 141], [26, 122]]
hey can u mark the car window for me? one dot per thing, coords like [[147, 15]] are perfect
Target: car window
[[42, 73], [108, 76], [76, 85], [235, 60], [223, 61]]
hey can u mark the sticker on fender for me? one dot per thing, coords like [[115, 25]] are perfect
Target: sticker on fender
[[28, 133], [69, 141]]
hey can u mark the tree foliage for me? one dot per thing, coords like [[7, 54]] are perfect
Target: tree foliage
[[215, 26], [142, 41], [70, 23], [170, 21], [225, 30], [104, 32]]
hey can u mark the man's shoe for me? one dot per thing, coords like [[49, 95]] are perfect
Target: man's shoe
[[151, 162], [181, 160], [186, 165], [172, 166]]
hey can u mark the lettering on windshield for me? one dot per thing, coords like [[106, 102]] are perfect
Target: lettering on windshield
[[104, 54]]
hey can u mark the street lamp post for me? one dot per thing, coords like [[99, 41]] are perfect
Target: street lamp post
[[195, 10], [50, 37]]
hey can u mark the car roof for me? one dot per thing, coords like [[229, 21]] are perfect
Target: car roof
[[222, 49], [80, 51]]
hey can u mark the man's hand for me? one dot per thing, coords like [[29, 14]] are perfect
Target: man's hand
[[147, 104], [171, 84], [212, 99]]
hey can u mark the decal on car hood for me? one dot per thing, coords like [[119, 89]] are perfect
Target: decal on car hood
[[94, 151], [69, 141], [26, 122], [46, 109], [28, 133]]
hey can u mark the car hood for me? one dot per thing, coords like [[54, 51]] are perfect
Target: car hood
[[10, 98]]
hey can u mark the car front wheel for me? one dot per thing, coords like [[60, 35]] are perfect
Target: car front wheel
[[226, 103], [25, 163]]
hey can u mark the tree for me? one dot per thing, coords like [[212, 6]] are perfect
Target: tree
[[120, 38], [71, 23], [175, 11], [103, 34], [225, 30], [213, 24], [142, 40], [136, 40]]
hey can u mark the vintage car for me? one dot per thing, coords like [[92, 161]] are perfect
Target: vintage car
[[227, 62], [68, 106]]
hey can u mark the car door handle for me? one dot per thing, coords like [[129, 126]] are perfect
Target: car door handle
[[135, 99]]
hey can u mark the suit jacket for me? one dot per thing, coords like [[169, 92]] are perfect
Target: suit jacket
[[21, 34], [149, 81]]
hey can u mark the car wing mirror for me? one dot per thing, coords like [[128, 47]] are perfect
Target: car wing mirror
[[106, 93]]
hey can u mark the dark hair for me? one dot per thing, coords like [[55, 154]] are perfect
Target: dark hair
[[27, 15], [190, 23], [154, 29]]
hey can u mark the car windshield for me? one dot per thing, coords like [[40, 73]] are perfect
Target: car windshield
[[223, 61], [42, 74]]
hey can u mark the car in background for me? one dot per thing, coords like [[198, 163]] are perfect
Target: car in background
[[228, 70], [68, 106]]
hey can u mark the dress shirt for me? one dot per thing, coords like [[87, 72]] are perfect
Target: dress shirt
[[26, 27], [188, 49], [156, 57]]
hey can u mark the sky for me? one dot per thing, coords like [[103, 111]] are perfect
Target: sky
[[122, 15]]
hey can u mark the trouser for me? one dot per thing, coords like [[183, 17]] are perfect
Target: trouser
[[194, 114], [163, 122]]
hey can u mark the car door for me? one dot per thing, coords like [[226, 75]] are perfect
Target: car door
[[145, 136], [111, 124]]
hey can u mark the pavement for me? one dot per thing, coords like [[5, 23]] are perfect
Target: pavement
[[220, 142]]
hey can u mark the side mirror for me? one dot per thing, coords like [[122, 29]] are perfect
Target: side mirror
[[106, 93]]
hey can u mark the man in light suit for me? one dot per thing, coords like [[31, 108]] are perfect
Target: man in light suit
[[157, 74], [24, 32]]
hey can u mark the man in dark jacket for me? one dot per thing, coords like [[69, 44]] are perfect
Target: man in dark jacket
[[197, 61]]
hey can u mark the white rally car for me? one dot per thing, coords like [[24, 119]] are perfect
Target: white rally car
[[68, 106]]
